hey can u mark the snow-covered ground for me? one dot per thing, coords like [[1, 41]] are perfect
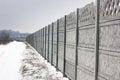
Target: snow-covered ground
[[19, 61]]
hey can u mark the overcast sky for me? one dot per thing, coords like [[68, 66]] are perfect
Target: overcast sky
[[31, 15]]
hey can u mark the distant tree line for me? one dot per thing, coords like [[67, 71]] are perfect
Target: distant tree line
[[9, 35], [4, 36]]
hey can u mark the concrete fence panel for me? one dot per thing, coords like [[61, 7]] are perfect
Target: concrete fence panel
[[86, 43], [70, 45], [61, 35], [55, 43], [109, 41], [50, 43], [47, 42], [82, 46]]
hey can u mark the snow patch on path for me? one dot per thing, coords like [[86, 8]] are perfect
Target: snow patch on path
[[19, 61], [10, 60]]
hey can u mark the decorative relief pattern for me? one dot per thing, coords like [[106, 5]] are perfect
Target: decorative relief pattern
[[110, 9], [87, 15], [71, 20]]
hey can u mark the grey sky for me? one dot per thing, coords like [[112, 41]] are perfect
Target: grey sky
[[31, 15]]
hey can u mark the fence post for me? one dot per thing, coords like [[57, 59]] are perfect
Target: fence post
[[52, 46], [77, 37], [64, 46], [35, 41], [57, 44], [39, 39], [42, 49], [45, 42], [48, 45], [97, 40]]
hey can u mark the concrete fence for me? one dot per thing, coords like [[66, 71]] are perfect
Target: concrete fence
[[69, 43]]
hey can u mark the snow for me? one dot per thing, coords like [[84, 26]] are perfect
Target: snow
[[19, 61], [10, 60]]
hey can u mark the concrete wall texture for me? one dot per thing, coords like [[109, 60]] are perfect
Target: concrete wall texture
[[69, 42]]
